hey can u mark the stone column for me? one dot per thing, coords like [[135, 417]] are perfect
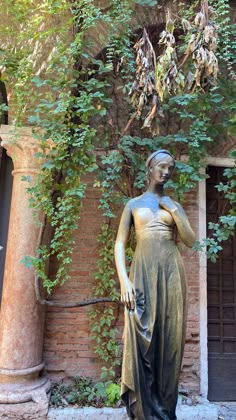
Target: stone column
[[22, 317]]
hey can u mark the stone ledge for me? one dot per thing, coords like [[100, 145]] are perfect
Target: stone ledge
[[205, 411], [39, 411]]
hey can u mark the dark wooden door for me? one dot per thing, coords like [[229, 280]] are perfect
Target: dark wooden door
[[5, 188], [5, 203], [221, 296]]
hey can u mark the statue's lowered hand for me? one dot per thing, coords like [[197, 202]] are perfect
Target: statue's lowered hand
[[128, 295]]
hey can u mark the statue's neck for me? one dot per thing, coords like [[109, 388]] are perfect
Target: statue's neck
[[157, 189]]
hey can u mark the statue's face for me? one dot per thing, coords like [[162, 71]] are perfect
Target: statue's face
[[161, 171]]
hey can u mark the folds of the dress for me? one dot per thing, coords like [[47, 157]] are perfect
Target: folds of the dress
[[155, 331]]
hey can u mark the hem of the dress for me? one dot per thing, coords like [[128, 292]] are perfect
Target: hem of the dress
[[128, 397]]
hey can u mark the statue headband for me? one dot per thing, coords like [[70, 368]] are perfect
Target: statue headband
[[154, 154]]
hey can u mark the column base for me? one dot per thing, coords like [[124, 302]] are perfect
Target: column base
[[22, 385], [27, 411], [35, 390]]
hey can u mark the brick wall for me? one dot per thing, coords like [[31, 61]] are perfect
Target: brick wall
[[67, 348], [189, 379]]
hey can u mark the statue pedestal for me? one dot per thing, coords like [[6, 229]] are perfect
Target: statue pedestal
[[22, 317]]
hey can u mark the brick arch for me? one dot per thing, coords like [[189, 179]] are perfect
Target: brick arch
[[222, 148], [155, 16]]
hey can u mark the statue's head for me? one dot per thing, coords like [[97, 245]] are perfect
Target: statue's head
[[160, 166]]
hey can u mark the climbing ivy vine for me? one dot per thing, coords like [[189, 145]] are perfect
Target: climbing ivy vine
[[103, 319]]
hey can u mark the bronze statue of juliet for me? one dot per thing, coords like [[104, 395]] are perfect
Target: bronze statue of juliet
[[154, 295]]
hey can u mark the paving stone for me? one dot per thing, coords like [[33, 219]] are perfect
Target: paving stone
[[226, 410], [33, 411]]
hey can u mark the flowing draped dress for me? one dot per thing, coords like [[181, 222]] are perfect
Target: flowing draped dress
[[154, 332]]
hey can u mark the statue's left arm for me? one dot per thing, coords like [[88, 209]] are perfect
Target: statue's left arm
[[183, 226]]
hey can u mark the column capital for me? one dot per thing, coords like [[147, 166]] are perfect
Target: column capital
[[22, 147]]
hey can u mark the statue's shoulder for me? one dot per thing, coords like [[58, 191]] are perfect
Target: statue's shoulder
[[134, 202]]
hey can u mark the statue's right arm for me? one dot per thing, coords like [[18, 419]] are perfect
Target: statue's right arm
[[127, 289]]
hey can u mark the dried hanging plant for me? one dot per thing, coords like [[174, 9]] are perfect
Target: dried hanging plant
[[201, 48], [169, 79], [158, 78], [143, 91]]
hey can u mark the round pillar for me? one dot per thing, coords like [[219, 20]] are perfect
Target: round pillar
[[21, 317]]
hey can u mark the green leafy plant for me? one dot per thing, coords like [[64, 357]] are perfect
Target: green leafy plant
[[221, 230], [113, 394], [103, 318], [81, 391]]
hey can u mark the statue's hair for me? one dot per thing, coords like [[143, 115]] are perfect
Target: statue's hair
[[154, 156]]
